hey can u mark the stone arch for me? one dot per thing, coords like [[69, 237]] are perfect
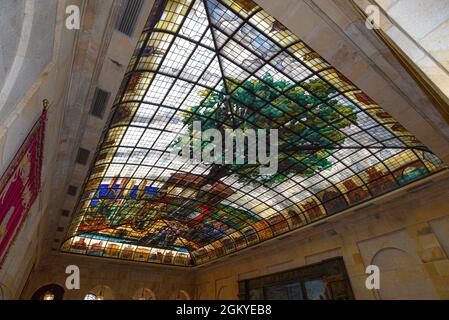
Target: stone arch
[[144, 294], [101, 292], [52, 291], [222, 293], [181, 295], [200, 292], [401, 276]]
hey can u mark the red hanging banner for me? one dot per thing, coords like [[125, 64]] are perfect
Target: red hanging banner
[[20, 184]]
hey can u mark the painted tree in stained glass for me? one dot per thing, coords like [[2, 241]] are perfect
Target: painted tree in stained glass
[[308, 128]]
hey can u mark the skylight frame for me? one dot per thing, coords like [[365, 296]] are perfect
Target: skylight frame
[[134, 72]]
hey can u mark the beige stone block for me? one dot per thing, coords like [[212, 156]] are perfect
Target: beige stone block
[[442, 267], [444, 295], [430, 269], [356, 270], [418, 229], [386, 4], [357, 258], [433, 254], [336, 12], [418, 18], [428, 241], [359, 289]]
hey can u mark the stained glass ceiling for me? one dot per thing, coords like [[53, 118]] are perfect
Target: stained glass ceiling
[[229, 65]]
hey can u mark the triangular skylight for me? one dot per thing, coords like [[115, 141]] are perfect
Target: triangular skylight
[[229, 65]]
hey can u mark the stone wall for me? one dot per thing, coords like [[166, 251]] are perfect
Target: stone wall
[[102, 55], [27, 37], [49, 72], [421, 29], [124, 280], [64, 67]]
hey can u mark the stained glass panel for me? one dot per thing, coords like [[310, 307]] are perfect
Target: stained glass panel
[[228, 65]]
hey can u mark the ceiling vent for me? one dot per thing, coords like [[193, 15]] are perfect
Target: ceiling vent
[[82, 156], [99, 103], [72, 190], [128, 15]]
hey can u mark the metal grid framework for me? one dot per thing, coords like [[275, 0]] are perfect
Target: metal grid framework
[[230, 65]]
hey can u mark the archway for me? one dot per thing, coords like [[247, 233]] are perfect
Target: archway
[[401, 276], [222, 293], [182, 295], [51, 291], [144, 294], [100, 292]]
